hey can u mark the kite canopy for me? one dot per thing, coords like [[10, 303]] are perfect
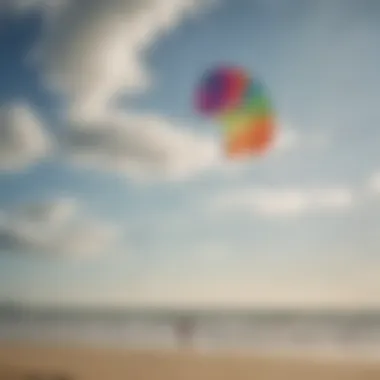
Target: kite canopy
[[241, 105]]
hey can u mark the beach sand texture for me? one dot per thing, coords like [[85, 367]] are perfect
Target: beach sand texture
[[19, 362]]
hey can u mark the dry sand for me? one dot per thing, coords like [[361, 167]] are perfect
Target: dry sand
[[42, 363]]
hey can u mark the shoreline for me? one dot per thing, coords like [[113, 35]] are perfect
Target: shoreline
[[314, 355]]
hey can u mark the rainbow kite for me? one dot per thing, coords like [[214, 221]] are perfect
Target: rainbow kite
[[241, 104]]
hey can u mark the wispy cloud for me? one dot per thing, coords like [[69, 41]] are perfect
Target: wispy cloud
[[272, 202], [54, 228], [374, 183], [23, 138], [140, 147]]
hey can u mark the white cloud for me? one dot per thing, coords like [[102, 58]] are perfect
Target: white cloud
[[285, 202], [286, 139], [204, 255], [374, 183], [140, 147], [290, 139], [94, 48], [54, 228], [23, 140]]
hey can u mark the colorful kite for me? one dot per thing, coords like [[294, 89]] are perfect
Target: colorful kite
[[242, 106]]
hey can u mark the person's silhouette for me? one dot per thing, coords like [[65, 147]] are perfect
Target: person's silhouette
[[185, 331]]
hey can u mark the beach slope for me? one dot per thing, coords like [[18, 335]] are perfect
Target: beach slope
[[22, 362]]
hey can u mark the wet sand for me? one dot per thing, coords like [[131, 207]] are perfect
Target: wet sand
[[26, 362]]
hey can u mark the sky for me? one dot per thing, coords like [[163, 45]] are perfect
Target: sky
[[115, 191]]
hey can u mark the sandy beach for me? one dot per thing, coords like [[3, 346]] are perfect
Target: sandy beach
[[18, 362]]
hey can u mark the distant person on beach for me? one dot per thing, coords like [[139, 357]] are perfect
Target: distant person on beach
[[185, 332]]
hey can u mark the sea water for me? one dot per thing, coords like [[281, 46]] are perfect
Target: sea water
[[344, 334]]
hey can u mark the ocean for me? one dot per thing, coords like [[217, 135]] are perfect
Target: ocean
[[315, 333]]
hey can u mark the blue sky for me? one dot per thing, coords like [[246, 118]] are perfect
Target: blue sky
[[125, 199]]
